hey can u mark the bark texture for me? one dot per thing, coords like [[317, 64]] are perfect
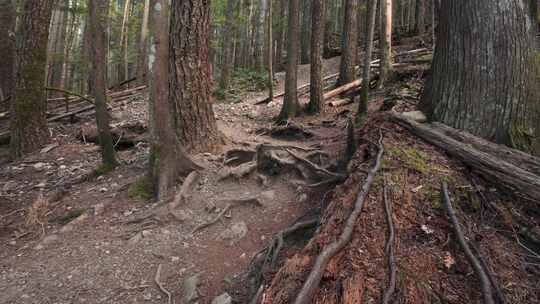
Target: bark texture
[[290, 101], [317, 31], [29, 125], [349, 46], [98, 11], [385, 41], [7, 39], [485, 79], [190, 73], [227, 46]]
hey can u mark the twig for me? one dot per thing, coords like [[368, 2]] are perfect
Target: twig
[[213, 221], [389, 248], [480, 272], [11, 213], [310, 285], [160, 285]]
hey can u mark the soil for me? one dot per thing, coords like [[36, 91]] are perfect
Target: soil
[[69, 236]]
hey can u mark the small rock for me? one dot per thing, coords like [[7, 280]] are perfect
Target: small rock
[[224, 298], [175, 259], [180, 215], [41, 185], [417, 116], [39, 166], [302, 197], [103, 189], [146, 233], [99, 208], [236, 232], [268, 196], [189, 290], [128, 213]]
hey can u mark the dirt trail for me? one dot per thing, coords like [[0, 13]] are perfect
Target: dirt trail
[[105, 259]]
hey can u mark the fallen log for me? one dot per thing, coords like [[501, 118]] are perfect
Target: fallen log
[[311, 284], [494, 169], [342, 89]]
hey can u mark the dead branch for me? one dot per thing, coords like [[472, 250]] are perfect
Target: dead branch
[[389, 248], [342, 89], [70, 93], [312, 282], [160, 285], [480, 272]]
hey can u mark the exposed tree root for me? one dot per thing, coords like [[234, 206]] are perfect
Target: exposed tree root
[[160, 285], [477, 266], [305, 295], [183, 194], [389, 249]]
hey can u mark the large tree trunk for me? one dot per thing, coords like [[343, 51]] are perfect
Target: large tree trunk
[[420, 12], [485, 80], [191, 79], [290, 101], [317, 28], [227, 45], [7, 38], [56, 46], [349, 46], [168, 161], [142, 64], [98, 12], [385, 41], [305, 32], [29, 125], [279, 35]]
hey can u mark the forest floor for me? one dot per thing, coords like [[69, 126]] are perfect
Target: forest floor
[[67, 236]]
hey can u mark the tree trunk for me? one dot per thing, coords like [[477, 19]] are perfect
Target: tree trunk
[[364, 96], [420, 13], [279, 35], [168, 161], [57, 44], [270, 52], [349, 46], [28, 124], [290, 101], [98, 12], [486, 83], [123, 71], [317, 28], [142, 64], [305, 32], [7, 38], [227, 46], [190, 80], [385, 40]]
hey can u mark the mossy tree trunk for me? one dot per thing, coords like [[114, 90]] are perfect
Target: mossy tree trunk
[[98, 12], [29, 124], [7, 38], [168, 160], [485, 80], [316, 78], [349, 43], [290, 101], [191, 78]]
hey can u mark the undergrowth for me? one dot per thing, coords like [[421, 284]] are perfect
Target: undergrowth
[[141, 189], [242, 81]]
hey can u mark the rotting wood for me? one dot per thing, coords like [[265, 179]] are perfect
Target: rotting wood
[[389, 248], [311, 284], [487, 292], [496, 170]]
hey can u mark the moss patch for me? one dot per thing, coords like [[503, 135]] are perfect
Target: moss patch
[[141, 190]]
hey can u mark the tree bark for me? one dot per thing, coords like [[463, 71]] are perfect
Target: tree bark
[[305, 32], [385, 40], [290, 101], [280, 35], [349, 46], [124, 33], [370, 29], [168, 161], [227, 46], [56, 46], [485, 80], [190, 80], [28, 124], [270, 51], [317, 31], [142, 64], [420, 13], [7, 51], [98, 12]]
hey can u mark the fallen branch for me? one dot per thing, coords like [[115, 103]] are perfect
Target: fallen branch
[[389, 249], [160, 285], [494, 169], [478, 269], [70, 93], [342, 89], [305, 295]]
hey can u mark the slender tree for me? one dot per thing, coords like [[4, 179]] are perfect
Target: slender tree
[[227, 45], [385, 41], [270, 51], [370, 29], [316, 77], [486, 83], [305, 32], [7, 38], [29, 124], [279, 35], [124, 35], [349, 46], [98, 15], [142, 64], [168, 161], [420, 12], [190, 74], [290, 101]]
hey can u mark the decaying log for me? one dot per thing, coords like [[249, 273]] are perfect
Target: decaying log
[[311, 284], [475, 263], [496, 170]]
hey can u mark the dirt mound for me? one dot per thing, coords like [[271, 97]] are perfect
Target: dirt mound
[[431, 267]]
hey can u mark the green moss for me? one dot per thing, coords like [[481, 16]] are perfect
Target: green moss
[[141, 190], [71, 215], [103, 169], [413, 158]]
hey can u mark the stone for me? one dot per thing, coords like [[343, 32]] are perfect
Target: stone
[[180, 215], [236, 232], [190, 290], [224, 298], [268, 197], [417, 116], [39, 166]]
